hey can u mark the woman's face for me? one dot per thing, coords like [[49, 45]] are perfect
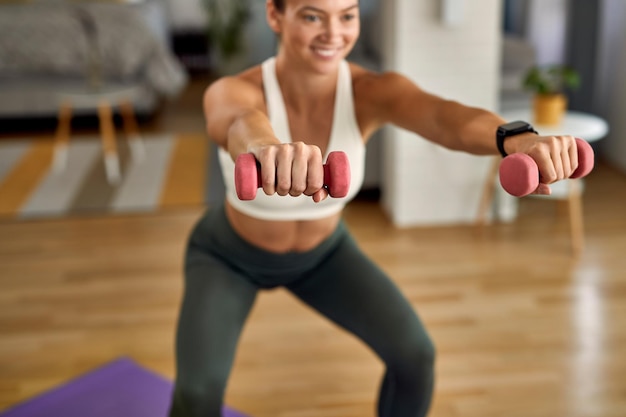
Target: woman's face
[[316, 33]]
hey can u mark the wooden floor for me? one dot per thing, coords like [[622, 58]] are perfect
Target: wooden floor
[[522, 328]]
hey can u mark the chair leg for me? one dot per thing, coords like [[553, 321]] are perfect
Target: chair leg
[[107, 132], [576, 216], [131, 129], [62, 137]]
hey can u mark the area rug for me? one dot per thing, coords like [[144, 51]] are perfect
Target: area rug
[[172, 173], [119, 389]]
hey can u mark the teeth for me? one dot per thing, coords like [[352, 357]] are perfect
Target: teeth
[[326, 52]]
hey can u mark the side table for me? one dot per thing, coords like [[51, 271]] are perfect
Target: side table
[[105, 99], [582, 125]]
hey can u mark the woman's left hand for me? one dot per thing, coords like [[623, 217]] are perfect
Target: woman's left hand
[[556, 156]]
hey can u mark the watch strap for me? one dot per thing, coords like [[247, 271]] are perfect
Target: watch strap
[[502, 133]]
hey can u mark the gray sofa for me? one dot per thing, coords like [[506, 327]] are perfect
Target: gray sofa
[[48, 48]]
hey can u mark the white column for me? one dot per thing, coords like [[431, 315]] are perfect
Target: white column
[[424, 183]]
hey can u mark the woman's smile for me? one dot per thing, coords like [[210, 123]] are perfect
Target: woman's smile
[[327, 52]]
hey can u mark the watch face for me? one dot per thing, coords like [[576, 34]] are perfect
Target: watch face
[[517, 126]]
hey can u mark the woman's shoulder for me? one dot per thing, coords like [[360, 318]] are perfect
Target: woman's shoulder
[[247, 84], [378, 94], [252, 76], [249, 79], [374, 90], [367, 81]]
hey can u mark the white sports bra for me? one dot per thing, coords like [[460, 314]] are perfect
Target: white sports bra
[[345, 136]]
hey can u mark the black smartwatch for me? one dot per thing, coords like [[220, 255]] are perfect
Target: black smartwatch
[[511, 129]]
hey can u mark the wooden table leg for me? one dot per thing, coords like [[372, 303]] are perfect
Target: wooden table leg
[[489, 188], [107, 132], [62, 137], [132, 131]]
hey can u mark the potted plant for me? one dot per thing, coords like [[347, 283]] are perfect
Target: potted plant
[[226, 20], [549, 84]]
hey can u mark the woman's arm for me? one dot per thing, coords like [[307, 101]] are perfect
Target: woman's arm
[[450, 124], [456, 126], [236, 120], [233, 111]]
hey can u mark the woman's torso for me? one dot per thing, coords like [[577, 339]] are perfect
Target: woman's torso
[[313, 127]]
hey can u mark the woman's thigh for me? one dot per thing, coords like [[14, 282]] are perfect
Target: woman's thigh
[[215, 306], [356, 294]]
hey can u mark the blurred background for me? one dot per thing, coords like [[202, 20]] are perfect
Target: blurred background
[[105, 166]]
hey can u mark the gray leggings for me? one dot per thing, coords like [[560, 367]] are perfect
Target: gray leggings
[[223, 274]]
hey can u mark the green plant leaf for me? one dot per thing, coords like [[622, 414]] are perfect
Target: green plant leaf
[[552, 79], [225, 23]]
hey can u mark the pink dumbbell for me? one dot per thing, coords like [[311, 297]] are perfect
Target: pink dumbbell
[[336, 175], [519, 174]]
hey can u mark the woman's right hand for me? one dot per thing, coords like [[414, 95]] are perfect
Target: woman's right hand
[[291, 169]]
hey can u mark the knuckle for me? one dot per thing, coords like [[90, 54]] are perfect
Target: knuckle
[[298, 147], [550, 178], [316, 155], [267, 181], [264, 155], [284, 149], [316, 151], [296, 190], [554, 143], [283, 185], [302, 149]]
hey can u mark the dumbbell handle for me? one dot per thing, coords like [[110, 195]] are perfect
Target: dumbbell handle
[[248, 175], [519, 174]]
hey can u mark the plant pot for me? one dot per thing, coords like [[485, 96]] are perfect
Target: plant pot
[[549, 109]]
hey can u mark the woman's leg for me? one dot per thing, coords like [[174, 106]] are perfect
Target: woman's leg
[[354, 293], [215, 306]]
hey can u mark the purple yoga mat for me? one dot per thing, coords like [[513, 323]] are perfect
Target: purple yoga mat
[[120, 389]]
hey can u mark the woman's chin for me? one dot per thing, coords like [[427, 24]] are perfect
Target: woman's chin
[[325, 64]]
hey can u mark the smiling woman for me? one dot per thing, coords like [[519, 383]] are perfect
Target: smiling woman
[[290, 113]]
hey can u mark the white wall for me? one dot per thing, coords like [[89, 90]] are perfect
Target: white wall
[[424, 183]]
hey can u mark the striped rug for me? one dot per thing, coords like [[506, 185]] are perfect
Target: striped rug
[[172, 173]]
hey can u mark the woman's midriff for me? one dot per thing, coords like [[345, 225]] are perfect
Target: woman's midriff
[[282, 236]]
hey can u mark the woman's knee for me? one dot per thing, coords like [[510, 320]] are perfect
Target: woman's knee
[[413, 355]]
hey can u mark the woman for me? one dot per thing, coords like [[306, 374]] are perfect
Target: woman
[[290, 112]]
